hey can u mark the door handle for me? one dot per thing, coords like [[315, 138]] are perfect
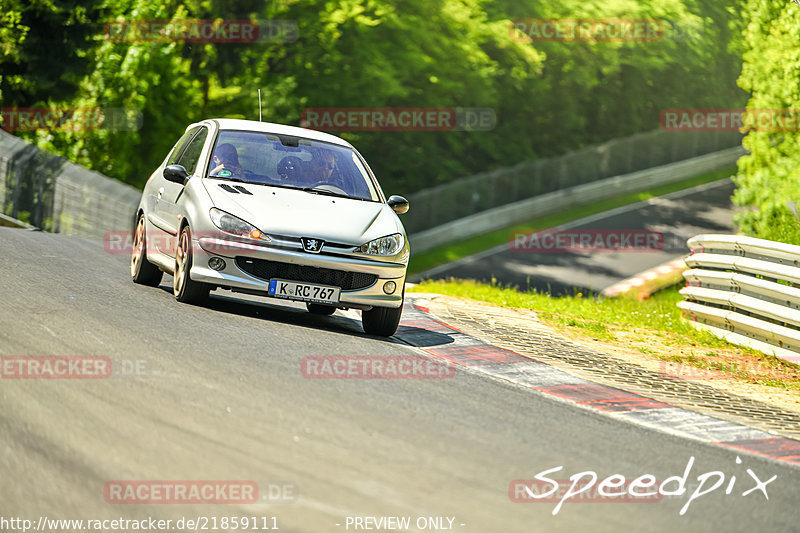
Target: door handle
[[160, 192]]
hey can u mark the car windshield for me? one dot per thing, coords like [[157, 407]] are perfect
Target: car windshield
[[295, 162]]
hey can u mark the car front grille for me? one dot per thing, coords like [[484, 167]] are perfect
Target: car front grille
[[266, 270]]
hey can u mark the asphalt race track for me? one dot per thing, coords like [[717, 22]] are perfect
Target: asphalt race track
[[217, 393], [677, 216]]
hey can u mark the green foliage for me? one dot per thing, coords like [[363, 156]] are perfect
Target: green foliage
[[549, 97], [43, 48], [769, 175], [151, 78]]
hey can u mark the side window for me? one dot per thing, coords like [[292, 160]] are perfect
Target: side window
[[191, 154], [173, 156]]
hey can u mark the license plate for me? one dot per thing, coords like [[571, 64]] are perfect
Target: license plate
[[305, 292]]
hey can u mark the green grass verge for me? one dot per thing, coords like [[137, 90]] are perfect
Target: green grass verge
[[599, 318], [456, 250], [591, 314]]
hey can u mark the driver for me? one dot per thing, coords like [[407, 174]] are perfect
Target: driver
[[322, 165], [226, 159]]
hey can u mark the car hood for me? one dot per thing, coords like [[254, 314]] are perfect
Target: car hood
[[280, 211]]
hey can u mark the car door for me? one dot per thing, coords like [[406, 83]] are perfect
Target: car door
[[168, 203], [159, 236]]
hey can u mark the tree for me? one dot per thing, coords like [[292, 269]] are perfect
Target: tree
[[548, 97], [767, 178], [43, 49]]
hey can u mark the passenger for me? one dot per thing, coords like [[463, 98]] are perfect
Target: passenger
[[226, 158]]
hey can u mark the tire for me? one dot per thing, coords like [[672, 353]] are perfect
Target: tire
[[186, 290], [320, 309], [143, 272], [381, 321]]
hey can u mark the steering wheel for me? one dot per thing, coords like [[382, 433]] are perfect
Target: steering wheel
[[289, 165]]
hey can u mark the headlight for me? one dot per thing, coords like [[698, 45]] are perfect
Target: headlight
[[235, 226], [390, 245]]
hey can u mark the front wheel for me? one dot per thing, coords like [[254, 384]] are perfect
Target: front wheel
[[186, 290], [382, 321], [143, 272]]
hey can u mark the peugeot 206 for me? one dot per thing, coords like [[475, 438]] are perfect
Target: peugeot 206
[[276, 211]]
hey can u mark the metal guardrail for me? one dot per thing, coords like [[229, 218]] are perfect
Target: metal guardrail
[[10, 222], [467, 196], [56, 195], [51, 193], [557, 201], [746, 291]]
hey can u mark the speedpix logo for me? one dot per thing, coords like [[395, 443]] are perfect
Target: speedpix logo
[[543, 489]]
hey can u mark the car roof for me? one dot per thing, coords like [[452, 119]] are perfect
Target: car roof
[[280, 129]]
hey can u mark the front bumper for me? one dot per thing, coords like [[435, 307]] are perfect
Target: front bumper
[[233, 277]]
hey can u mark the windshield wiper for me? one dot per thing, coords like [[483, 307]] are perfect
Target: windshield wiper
[[325, 192], [237, 180], [248, 182], [312, 190]]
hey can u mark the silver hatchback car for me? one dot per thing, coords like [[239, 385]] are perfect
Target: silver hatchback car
[[277, 211]]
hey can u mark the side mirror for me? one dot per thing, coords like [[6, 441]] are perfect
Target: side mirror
[[398, 204], [176, 174]]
